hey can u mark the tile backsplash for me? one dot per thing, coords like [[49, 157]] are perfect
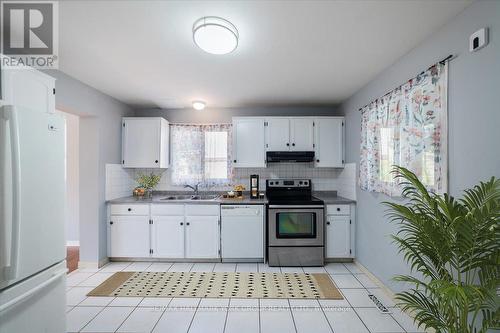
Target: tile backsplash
[[121, 181]]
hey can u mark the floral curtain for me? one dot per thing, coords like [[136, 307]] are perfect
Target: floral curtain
[[201, 154], [407, 127]]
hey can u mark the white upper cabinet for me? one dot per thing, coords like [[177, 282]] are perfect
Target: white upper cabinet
[[329, 142], [248, 143], [28, 88], [145, 142], [277, 134], [301, 134], [253, 136], [289, 134]]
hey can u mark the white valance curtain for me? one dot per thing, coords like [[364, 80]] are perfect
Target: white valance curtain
[[200, 154], [407, 127]]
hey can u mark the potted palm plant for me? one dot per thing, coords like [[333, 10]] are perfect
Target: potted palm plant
[[453, 246]]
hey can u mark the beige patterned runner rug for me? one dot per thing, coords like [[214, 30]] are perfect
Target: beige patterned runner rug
[[218, 285]]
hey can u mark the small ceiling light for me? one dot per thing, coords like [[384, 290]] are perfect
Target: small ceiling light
[[199, 105], [215, 35]]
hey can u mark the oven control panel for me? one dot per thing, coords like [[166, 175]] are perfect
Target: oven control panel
[[288, 183]]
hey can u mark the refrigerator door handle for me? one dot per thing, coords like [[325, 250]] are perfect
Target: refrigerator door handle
[[9, 113], [30, 292]]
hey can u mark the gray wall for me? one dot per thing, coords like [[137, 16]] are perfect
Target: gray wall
[[224, 115], [100, 143], [474, 120]]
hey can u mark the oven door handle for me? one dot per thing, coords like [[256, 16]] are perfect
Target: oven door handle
[[297, 206]]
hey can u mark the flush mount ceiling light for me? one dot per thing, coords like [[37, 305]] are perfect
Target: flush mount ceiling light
[[215, 35], [198, 105]]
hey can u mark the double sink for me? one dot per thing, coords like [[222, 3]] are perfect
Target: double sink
[[205, 197]]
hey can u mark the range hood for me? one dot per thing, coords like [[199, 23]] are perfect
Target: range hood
[[289, 156]]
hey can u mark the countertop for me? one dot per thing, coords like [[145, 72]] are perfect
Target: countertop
[[245, 200], [329, 197]]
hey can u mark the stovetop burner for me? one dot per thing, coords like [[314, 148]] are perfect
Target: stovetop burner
[[295, 201], [291, 192]]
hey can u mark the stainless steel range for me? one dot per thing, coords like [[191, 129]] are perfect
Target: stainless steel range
[[295, 224]]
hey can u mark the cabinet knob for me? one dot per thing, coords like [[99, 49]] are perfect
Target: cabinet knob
[[293, 144], [234, 161], [187, 223], [130, 209], [110, 222], [287, 144], [317, 161], [182, 223], [338, 209], [156, 161], [328, 223]]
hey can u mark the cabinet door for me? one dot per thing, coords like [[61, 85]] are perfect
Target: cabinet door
[[338, 237], [28, 88], [167, 236], [248, 143], [329, 145], [302, 134], [129, 236], [278, 134], [141, 143], [202, 236]]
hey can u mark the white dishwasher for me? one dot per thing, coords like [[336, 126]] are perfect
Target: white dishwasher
[[242, 232]]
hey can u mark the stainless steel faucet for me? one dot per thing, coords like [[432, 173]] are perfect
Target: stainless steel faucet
[[193, 187]]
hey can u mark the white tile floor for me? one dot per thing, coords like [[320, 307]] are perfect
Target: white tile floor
[[355, 313]]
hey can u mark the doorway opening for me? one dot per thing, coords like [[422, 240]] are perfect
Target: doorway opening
[[72, 224]]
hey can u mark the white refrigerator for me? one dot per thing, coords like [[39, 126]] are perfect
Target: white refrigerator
[[32, 209]]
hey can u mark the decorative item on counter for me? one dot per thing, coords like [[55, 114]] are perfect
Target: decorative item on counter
[[148, 182], [254, 186], [262, 195], [139, 192], [239, 190]]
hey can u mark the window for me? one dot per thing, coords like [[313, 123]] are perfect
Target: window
[[216, 155], [200, 154], [406, 127], [386, 154]]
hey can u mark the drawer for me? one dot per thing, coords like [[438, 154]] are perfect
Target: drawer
[[338, 210], [124, 209], [193, 210], [167, 209]]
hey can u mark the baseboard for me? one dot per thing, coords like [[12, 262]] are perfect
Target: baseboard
[[88, 264], [386, 290], [379, 283], [72, 243], [93, 264], [103, 262]]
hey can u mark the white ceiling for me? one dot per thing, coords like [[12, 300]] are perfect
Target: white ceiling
[[290, 52]]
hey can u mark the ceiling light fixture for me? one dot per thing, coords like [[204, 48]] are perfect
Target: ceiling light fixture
[[199, 105], [215, 35]]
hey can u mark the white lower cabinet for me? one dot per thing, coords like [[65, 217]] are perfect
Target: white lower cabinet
[[202, 237], [173, 231], [338, 237], [129, 236], [167, 236], [339, 231]]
